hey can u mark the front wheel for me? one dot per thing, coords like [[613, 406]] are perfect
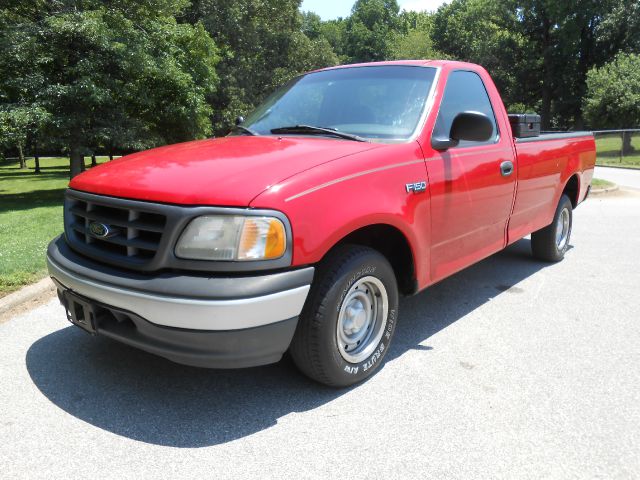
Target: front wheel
[[552, 242], [349, 319]]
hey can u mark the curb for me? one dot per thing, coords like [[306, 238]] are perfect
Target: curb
[[603, 191], [26, 294]]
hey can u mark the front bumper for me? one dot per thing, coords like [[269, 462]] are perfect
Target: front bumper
[[221, 322]]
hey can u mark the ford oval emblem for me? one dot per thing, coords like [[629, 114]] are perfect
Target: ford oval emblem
[[99, 230]]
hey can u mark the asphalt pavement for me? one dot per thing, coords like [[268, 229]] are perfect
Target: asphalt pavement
[[510, 369]]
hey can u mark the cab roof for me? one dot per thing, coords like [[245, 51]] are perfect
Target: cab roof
[[414, 63]]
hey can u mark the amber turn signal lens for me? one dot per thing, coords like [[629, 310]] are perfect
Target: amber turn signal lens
[[276, 240], [262, 238]]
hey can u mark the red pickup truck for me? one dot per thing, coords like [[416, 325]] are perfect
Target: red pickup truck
[[300, 229]]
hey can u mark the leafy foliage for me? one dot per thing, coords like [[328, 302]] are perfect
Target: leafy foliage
[[17, 122], [369, 30], [124, 76], [613, 93], [262, 43], [414, 38], [88, 75], [538, 51], [488, 32]]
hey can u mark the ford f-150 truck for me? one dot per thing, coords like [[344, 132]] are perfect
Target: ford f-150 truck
[[300, 229]]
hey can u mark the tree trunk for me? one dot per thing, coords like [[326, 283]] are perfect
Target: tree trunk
[[110, 155], [36, 155], [547, 74], [23, 162], [585, 62], [76, 160], [93, 159], [627, 148]]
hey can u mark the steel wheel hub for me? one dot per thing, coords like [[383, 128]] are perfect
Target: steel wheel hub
[[361, 319], [562, 229]]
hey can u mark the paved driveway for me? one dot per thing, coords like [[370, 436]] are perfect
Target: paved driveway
[[625, 177], [510, 369]]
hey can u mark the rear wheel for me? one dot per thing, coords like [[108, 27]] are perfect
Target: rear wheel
[[349, 319], [552, 242]]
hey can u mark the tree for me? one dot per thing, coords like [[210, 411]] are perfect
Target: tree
[[620, 29], [335, 31], [563, 36], [539, 51], [125, 73], [592, 33], [311, 25], [17, 123], [369, 30], [489, 33], [569, 38], [262, 42], [413, 40], [13, 131], [304, 55], [613, 96]]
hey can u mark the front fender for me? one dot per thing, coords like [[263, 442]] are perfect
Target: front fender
[[328, 202]]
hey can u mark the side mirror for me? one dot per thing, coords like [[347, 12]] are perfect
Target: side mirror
[[469, 126], [239, 120]]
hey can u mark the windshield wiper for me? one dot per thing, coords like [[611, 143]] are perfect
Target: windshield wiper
[[244, 129], [310, 129]]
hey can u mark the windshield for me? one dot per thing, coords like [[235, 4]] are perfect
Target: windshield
[[382, 102]]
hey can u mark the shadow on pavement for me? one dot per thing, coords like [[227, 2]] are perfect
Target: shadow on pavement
[[146, 398]]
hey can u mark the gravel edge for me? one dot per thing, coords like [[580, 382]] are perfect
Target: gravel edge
[[602, 191], [26, 298]]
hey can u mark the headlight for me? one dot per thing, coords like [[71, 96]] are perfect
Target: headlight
[[230, 237]]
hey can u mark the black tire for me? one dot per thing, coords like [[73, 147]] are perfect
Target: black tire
[[343, 273], [544, 243]]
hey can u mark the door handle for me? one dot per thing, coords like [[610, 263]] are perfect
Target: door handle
[[506, 168]]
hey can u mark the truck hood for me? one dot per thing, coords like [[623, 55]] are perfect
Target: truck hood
[[228, 171]]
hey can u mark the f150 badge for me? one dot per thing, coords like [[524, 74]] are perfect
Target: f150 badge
[[416, 187]]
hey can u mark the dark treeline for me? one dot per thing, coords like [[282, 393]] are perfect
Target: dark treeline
[[86, 76]]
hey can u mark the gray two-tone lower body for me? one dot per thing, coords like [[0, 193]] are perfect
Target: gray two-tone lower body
[[194, 319]]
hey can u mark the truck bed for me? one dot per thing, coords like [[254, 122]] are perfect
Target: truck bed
[[554, 136], [544, 162]]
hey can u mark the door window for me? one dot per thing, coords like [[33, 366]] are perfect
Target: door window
[[464, 91]]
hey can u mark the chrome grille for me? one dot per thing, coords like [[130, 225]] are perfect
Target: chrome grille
[[135, 234]]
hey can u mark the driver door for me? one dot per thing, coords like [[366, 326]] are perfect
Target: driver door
[[471, 197]]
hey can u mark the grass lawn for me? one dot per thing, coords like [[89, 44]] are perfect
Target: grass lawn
[[599, 183], [608, 148], [30, 216]]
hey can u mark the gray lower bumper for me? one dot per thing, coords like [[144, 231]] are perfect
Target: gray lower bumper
[[248, 347], [197, 320], [182, 301]]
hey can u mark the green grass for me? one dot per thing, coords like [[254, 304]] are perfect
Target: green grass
[[608, 151], [599, 183], [30, 216]]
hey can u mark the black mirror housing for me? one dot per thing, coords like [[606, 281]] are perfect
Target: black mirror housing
[[471, 126], [443, 143]]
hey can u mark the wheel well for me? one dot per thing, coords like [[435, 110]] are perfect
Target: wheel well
[[391, 243], [572, 189]]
